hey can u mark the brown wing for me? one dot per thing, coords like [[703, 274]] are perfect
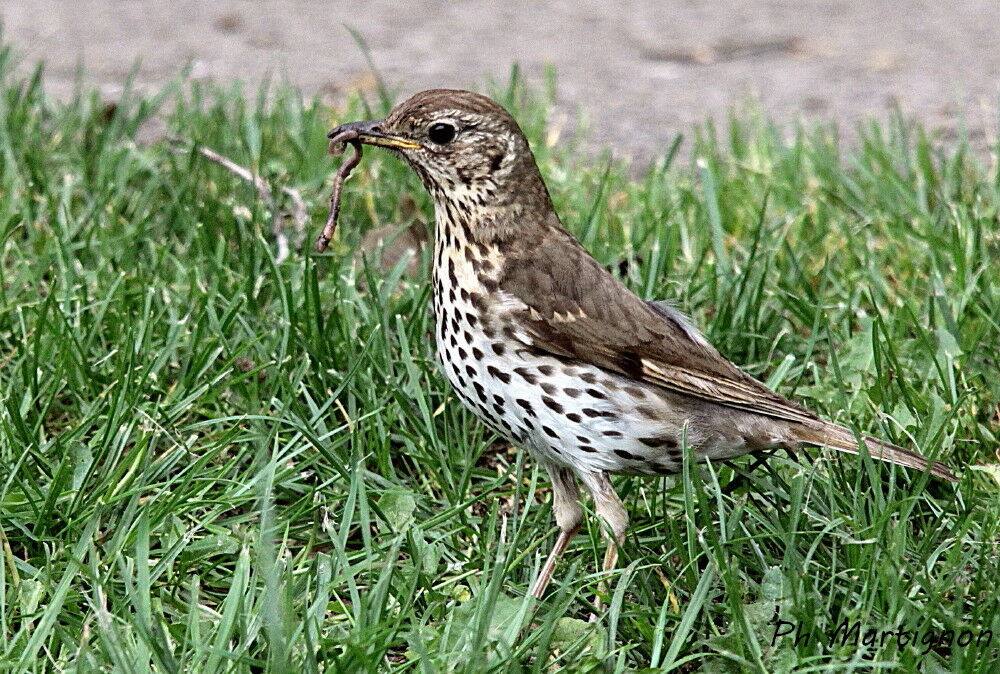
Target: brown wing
[[565, 303]]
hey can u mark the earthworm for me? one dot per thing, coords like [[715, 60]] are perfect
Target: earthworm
[[337, 146]]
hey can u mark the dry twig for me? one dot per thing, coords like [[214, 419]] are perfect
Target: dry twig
[[299, 213]]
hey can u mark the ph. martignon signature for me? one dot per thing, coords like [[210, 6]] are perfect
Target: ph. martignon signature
[[854, 633]]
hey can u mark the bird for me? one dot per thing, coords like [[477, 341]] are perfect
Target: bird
[[554, 353]]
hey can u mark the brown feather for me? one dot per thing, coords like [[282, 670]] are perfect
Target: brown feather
[[840, 438], [618, 331]]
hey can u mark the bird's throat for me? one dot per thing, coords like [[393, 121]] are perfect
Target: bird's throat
[[467, 253]]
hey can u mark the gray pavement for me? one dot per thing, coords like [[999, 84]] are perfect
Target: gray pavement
[[639, 71]]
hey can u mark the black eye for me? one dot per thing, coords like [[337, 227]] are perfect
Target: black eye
[[441, 133]]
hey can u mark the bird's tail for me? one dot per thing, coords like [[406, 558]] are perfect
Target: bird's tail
[[840, 438]]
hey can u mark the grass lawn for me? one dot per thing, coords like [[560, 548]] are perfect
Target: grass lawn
[[210, 461]]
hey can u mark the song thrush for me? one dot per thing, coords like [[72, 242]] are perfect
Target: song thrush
[[550, 350]]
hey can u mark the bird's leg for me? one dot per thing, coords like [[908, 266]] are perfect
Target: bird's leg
[[569, 515], [610, 508]]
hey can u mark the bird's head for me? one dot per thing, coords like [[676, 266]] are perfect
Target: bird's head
[[466, 148]]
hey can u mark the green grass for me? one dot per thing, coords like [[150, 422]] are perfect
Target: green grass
[[212, 462]]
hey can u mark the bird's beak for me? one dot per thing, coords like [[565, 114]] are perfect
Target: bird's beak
[[370, 133]]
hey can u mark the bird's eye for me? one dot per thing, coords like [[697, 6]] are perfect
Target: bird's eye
[[441, 133]]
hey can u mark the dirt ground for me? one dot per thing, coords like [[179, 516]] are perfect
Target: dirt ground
[[639, 71]]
